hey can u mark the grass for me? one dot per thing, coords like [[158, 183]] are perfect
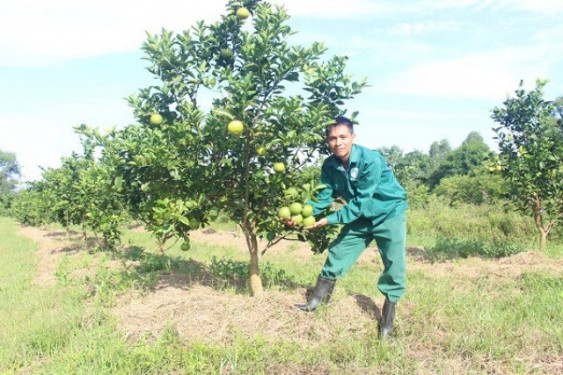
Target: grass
[[448, 322]]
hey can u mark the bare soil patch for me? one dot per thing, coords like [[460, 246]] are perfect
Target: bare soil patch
[[472, 268], [50, 247]]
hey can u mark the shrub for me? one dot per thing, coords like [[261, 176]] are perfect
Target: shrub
[[232, 270], [451, 248], [479, 189], [487, 222]]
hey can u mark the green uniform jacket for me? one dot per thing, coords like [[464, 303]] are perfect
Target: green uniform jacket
[[368, 186]]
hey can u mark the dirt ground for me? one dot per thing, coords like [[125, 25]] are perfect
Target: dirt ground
[[200, 312]]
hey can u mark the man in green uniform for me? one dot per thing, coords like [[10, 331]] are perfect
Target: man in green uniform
[[375, 209]]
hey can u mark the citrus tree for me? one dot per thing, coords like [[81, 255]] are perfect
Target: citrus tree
[[30, 207], [530, 141], [238, 112], [79, 192]]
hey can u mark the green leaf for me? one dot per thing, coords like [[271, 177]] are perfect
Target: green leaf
[[184, 220], [223, 112]]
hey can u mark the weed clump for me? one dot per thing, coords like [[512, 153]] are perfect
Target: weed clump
[[452, 248]]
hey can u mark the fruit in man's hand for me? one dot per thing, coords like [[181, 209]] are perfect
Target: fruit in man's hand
[[156, 119], [295, 208], [284, 213], [308, 221], [243, 13], [297, 219], [307, 210], [235, 127]]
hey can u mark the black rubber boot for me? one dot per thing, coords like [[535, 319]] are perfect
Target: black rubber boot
[[387, 317], [321, 294]]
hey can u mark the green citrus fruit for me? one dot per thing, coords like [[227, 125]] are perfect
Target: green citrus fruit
[[279, 167], [261, 151], [297, 219], [226, 53], [235, 127], [156, 119], [185, 245], [243, 13], [291, 192], [307, 210], [284, 213], [308, 221], [295, 208], [194, 223]]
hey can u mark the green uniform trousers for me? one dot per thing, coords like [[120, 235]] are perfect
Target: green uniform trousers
[[355, 237]]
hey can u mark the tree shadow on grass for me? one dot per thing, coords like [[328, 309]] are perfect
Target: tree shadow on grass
[[61, 234], [152, 271], [78, 243]]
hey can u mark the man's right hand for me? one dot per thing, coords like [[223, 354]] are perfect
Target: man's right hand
[[288, 222], [319, 224]]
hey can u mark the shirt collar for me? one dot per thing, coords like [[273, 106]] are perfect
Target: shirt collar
[[354, 154], [354, 157]]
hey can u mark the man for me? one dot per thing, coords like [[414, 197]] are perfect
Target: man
[[375, 209]]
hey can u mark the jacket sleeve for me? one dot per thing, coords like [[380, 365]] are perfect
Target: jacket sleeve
[[324, 198], [364, 190]]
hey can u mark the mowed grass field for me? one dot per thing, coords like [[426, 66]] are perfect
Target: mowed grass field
[[67, 308]]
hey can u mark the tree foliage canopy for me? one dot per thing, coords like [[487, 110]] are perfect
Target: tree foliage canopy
[[530, 139]]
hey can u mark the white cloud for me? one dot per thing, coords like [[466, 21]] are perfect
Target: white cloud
[[35, 32], [488, 75], [410, 29]]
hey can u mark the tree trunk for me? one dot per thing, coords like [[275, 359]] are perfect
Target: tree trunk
[[543, 239], [255, 280], [538, 219]]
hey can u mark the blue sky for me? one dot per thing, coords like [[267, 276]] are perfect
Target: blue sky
[[436, 68]]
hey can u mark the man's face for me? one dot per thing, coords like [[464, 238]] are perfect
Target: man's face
[[340, 140]]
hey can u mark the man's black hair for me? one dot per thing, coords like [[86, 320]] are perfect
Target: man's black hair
[[340, 120]]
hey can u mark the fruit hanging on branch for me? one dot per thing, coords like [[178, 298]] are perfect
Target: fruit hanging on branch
[[279, 167], [156, 119], [235, 127], [243, 13]]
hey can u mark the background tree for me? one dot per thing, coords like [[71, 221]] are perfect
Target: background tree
[[463, 160], [9, 174], [530, 139], [182, 161], [439, 151], [558, 109]]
